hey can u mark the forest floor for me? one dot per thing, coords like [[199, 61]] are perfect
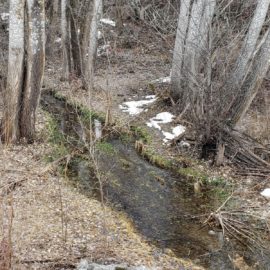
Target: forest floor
[[53, 225]]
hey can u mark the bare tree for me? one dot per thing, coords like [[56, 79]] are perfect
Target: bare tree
[[15, 71], [243, 62], [190, 47], [179, 48], [75, 44], [251, 84], [25, 69], [53, 26], [34, 67], [92, 49], [65, 39]]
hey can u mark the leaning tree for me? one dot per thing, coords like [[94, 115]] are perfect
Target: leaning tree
[[25, 69]]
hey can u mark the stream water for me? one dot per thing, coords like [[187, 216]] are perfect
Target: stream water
[[158, 203]]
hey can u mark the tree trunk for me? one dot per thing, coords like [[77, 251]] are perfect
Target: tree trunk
[[93, 39], [241, 67], [191, 51], [251, 84], [85, 22], [34, 67], [179, 48], [75, 46], [12, 94], [66, 65], [25, 69], [53, 26]]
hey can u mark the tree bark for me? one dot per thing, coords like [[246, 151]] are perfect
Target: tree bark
[[12, 94], [34, 67], [75, 46], [242, 64], [191, 51], [251, 84], [92, 49], [65, 33], [25, 69], [179, 48], [84, 24], [53, 26]]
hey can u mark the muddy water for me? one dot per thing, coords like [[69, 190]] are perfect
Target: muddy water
[[158, 203]]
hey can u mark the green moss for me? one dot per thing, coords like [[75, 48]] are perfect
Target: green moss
[[106, 148], [157, 160], [88, 115], [141, 133], [192, 173], [56, 138], [126, 138]]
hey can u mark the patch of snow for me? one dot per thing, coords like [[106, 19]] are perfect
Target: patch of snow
[[150, 96], [176, 131], [4, 16], [266, 193], [58, 40], [108, 21], [99, 34], [136, 107], [163, 80], [98, 129], [160, 118]]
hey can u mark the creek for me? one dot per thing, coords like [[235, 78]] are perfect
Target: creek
[[160, 205]]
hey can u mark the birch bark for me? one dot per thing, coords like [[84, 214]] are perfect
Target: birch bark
[[93, 39], [35, 63], [13, 90]]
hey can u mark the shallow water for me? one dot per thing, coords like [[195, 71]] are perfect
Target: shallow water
[[159, 204]]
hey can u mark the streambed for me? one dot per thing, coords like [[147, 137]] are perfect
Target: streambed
[[158, 202]]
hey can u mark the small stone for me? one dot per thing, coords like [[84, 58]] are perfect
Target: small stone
[[211, 232]]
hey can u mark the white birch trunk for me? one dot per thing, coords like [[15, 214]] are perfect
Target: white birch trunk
[[206, 21], [13, 90], [179, 47], [52, 28], [193, 40], [251, 84], [191, 51], [242, 64], [34, 66], [93, 39], [65, 40]]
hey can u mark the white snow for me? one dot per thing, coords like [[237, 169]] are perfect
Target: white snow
[[108, 21], [150, 96], [266, 193], [58, 40], [98, 129], [176, 131], [136, 107], [163, 80], [160, 118], [4, 16], [99, 35]]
